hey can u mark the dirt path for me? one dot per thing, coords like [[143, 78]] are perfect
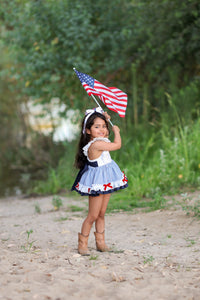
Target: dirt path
[[155, 255]]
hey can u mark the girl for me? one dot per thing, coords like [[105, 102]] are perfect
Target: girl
[[99, 175]]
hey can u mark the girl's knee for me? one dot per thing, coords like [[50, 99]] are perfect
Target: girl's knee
[[101, 214], [92, 218]]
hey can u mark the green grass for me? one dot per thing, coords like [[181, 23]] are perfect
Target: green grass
[[93, 257], [75, 208], [192, 209], [148, 259], [28, 247], [62, 219], [37, 208], [190, 242], [157, 163], [57, 202]]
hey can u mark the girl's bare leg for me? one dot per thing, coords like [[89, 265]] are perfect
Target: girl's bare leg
[[100, 221], [95, 206]]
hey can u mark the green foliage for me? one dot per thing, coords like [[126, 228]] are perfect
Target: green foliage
[[37, 208], [51, 37], [191, 242], [75, 208], [149, 259], [191, 208], [59, 178], [104, 39], [29, 244], [155, 164], [10, 119], [149, 49], [167, 33], [93, 257], [57, 202], [173, 165]]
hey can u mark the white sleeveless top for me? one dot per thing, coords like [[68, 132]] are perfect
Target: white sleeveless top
[[104, 158]]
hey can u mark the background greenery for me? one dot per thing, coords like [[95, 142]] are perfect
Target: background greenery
[[149, 49]]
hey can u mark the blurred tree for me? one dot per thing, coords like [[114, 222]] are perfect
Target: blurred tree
[[51, 37], [148, 48], [166, 47], [10, 118], [104, 38]]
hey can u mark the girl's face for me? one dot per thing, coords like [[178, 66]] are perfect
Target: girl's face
[[98, 129]]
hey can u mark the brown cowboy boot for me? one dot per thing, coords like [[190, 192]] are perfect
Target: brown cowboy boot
[[83, 244], [100, 242]]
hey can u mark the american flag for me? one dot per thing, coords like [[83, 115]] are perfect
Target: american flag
[[112, 97]]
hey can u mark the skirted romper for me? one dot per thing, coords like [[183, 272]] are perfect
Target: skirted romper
[[99, 176]]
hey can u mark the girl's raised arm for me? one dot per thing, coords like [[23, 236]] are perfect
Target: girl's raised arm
[[104, 146]]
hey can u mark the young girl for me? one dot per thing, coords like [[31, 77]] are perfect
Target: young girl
[[99, 175]]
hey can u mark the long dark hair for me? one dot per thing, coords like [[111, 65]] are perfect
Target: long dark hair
[[80, 158]]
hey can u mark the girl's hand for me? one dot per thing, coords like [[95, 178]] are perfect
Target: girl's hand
[[115, 129], [107, 116]]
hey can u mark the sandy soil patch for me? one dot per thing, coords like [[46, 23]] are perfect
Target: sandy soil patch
[[156, 255]]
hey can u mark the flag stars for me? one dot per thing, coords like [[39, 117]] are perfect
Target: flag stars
[[85, 78]]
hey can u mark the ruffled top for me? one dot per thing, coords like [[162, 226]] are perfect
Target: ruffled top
[[104, 158]]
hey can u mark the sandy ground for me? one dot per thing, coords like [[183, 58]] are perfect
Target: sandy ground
[[156, 255]]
